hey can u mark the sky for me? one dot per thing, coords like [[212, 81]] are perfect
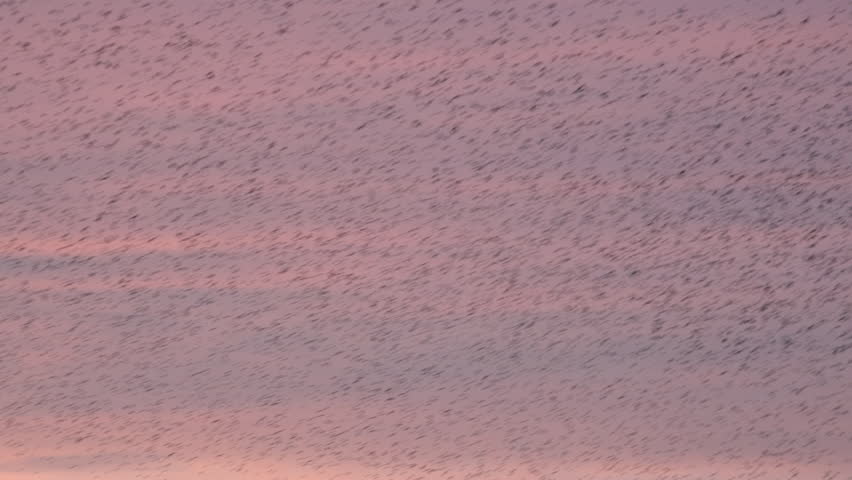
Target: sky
[[425, 240]]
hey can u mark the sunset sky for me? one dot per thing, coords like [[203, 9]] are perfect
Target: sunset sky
[[425, 240]]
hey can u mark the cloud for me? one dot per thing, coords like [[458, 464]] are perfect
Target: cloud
[[104, 461], [327, 437]]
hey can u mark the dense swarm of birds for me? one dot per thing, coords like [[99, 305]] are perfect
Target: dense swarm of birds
[[437, 239]]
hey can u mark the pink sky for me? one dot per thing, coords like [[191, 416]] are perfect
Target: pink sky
[[447, 239]]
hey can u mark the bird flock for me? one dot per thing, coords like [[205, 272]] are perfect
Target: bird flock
[[426, 240]]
